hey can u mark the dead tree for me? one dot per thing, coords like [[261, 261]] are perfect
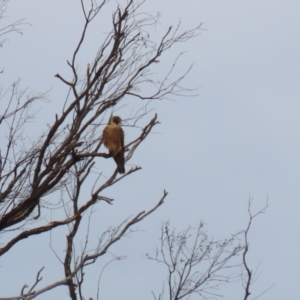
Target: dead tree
[[63, 157], [199, 265], [196, 264]]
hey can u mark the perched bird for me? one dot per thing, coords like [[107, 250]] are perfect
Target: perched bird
[[113, 139]]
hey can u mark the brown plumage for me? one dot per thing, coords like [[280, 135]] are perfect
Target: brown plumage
[[113, 139]]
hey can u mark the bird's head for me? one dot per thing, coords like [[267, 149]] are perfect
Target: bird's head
[[116, 120]]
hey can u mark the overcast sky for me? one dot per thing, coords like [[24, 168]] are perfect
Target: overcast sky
[[237, 139]]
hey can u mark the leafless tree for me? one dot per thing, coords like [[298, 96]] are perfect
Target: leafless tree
[[62, 160], [199, 265]]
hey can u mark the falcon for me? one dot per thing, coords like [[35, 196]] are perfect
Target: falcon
[[113, 139]]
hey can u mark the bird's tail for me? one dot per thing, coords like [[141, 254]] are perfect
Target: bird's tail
[[120, 161]]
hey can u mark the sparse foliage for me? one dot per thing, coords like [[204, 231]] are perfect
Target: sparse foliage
[[199, 265], [9, 28], [196, 264]]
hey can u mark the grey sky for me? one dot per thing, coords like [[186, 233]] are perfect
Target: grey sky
[[238, 138]]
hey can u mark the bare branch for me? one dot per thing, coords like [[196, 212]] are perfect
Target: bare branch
[[248, 277], [14, 27], [87, 259], [65, 158], [183, 259]]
